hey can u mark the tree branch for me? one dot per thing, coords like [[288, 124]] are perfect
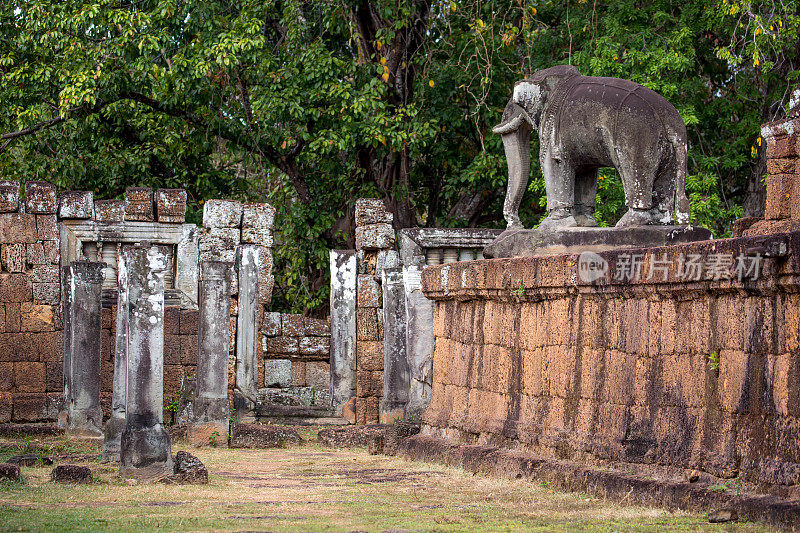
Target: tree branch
[[10, 136]]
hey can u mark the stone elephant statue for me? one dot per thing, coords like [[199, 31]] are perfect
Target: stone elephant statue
[[585, 123]]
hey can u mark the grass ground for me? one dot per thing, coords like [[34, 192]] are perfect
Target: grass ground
[[308, 488]]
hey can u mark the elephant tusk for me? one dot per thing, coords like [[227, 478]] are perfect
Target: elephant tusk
[[513, 123]]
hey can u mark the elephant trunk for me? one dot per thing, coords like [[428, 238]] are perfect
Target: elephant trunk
[[516, 131], [518, 155]]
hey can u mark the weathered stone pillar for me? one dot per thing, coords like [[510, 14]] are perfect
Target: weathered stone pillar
[[145, 447], [116, 424], [82, 315], [211, 400], [419, 348], [343, 332], [395, 363], [247, 328]]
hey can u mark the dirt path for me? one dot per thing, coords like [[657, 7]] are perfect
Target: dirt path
[[309, 488]]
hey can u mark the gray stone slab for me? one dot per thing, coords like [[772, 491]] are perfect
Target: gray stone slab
[[116, 423], [82, 392], [343, 332], [247, 328], [211, 410], [531, 242], [395, 365]]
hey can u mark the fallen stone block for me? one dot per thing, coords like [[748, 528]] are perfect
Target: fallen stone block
[[187, 469], [71, 474], [350, 436], [263, 436], [9, 472], [376, 438], [30, 459], [721, 516]]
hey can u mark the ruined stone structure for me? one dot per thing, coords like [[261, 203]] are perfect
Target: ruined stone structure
[[782, 146], [31, 329], [82, 316], [375, 239], [421, 247], [381, 323], [145, 450], [683, 356], [43, 231], [211, 411], [296, 377]]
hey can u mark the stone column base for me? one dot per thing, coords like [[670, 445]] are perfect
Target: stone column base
[[85, 424], [145, 453], [113, 438]]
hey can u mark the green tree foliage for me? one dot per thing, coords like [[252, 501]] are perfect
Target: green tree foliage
[[310, 105]]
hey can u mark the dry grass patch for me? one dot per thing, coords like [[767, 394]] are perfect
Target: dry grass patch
[[309, 488]]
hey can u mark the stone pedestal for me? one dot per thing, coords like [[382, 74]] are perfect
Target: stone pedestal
[[531, 242], [145, 446], [210, 424], [343, 332], [82, 316], [116, 424], [247, 330], [395, 363]]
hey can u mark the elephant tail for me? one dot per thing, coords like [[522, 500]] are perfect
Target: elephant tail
[[681, 200]]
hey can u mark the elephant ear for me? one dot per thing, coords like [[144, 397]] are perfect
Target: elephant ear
[[553, 76]]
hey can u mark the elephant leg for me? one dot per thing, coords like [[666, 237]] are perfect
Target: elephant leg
[[638, 175], [664, 193], [559, 182], [585, 197], [518, 155]]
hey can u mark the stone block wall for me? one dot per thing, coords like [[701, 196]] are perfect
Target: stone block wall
[[40, 231], [296, 352], [699, 372], [782, 146], [375, 241], [30, 294], [180, 353]]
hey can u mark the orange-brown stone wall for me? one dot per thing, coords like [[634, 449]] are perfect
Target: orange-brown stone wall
[[696, 374]]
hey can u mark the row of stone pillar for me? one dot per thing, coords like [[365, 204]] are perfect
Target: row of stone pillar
[[135, 435]]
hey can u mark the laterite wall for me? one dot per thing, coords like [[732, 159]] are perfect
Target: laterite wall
[[690, 373]]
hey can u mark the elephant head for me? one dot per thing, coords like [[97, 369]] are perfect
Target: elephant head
[[522, 114]]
